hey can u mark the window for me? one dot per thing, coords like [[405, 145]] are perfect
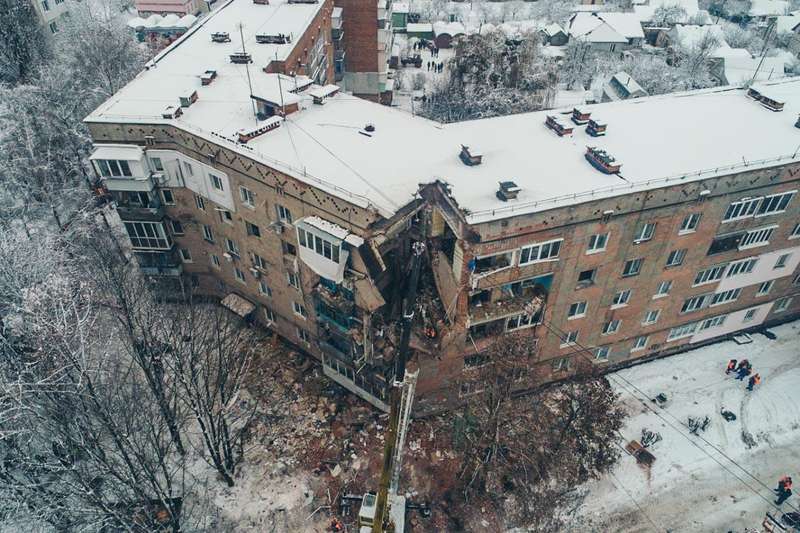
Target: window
[[269, 315], [293, 280], [257, 261], [199, 202], [148, 235], [157, 164], [782, 260], [569, 338], [186, 255], [750, 315], [303, 335], [207, 233], [775, 203], [284, 214], [523, 320], [587, 276], [264, 289], [53, 27], [640, 343], [560, 365], [689, 224], [764, 288], [756, 237], [663, 289], [540, 252], [239, 275], [288, 248], [215, 261], [188, 169], [687, 330], [621, 298], [577, 310], [113, 167], [713, 322], [645, 232], [177, 227], [597, 243], [612, 326], [741, 209], [796, 280], [252, 229], [216, 182], [725, 297], [315, 243], [694, 303], [710, 275], [651, 317], [491, 263], [225, 216], [299, 310], [676, 257], [744, 266], [167, 197], [632, 267], [782, 304], [45, 5], [232, 247], [247, 196], [601, 353], [795, 232]]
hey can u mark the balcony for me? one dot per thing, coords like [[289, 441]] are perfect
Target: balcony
[[172, 271], [160, 263], [517, 298], [134, 183], [336, 297], [140, 213]]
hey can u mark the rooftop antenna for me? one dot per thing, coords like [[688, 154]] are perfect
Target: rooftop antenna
[[247, 69], [763, 50], [280, 91]]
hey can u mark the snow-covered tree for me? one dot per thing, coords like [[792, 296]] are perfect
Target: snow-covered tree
[[667, 15], [24, 46]]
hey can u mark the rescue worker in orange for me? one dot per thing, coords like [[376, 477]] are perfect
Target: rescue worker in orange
[[731, 366], [754, 380]]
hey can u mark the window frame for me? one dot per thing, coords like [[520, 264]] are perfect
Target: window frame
[[145, 241], [637, 345], [690, 223], [216, 182], [643, 235], [215, 261], [764, 288], [247, 197], [284, 213], [186, 255], [180, 230], [293, 280], [164, 193], [252, 230], [208, 233], [638, 267], [762, 234], [658, 293], [577, 314], [239, 275], [611, 327], [539, 247], [624, 297], [782, 304], [299, 310], [783, 259], [725, 297], [570, 338], [596, 236], [646, 321], [199, 202], [680, 254], [232, 247], [714, 274]]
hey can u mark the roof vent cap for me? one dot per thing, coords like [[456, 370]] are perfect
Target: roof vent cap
[[188, 98], [508, 191], [241, 58], [221, 37], [207, 77]]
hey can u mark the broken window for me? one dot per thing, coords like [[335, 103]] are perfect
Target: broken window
[[493, 262], [474, 361], [725, 243], [480, 298]]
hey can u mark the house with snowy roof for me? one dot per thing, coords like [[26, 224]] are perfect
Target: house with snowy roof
[[606, 31], [621, 86], [741, 71], [787, 24], [766, 11], [688, 10], [554, 35]]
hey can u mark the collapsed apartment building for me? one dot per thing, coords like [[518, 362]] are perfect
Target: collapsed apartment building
[[646, 227]]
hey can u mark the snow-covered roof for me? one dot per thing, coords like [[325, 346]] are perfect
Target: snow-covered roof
[[400, 7], [553, 29], [450, 28], [334, 230], [766, 8], [419, 27], [787, 23], [322, 146], [605, 27], [688, 36], [740, 70], [280, 88], [124, 152]]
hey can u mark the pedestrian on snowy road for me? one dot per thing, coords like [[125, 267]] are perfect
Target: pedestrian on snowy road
[[744, 371], [731, 366], [742, 363], [784, 483], [754, 380], [783, 496]]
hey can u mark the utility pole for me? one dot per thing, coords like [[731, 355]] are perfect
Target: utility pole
[[401, 398]]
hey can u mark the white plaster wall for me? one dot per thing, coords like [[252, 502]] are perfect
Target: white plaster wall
[[734, 322], [764, 270], [200, 182]]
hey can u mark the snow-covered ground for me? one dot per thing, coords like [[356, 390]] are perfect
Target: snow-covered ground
[[692, 486]]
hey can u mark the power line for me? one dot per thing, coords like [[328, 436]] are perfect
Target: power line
[[584, 350]]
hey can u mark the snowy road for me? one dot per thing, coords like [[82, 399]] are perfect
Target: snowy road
[[723, 484]]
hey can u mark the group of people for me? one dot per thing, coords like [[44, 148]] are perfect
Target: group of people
[[434, 66], [419, 45], [742, 370], [784, 489]]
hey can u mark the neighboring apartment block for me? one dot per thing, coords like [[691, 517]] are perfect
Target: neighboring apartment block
[[51, 14], [364, 41], [302, 218], [145, 8]]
